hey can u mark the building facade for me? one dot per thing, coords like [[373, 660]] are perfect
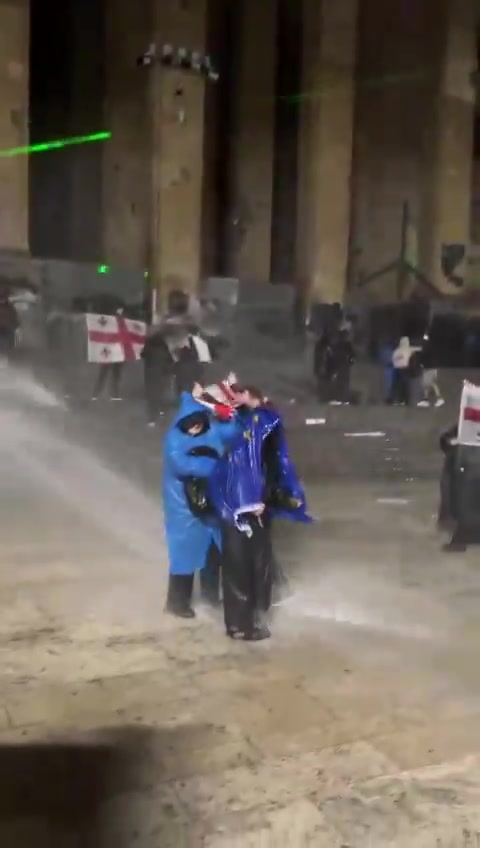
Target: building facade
[[338, 134]]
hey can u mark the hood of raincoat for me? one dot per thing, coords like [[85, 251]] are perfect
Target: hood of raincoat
[[188, 406], [238, 483]]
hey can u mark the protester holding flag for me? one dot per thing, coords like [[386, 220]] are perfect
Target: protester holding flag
[[112, 341]]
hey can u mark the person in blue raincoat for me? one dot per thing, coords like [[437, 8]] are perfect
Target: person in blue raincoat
[[192, 447], [251, 483]]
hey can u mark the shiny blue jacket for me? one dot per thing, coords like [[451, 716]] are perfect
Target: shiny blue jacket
[[240, 481], [189, 537]]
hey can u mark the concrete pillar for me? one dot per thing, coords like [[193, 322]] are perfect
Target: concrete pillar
[[177, 107], [126, 159], [14, 76], [448, 152], [252, 140], [325, 147]]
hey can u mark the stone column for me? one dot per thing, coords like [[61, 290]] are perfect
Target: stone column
[[252, 140], [177, 107], [448, 152], [14, 81], [126, 160], [325, 147]]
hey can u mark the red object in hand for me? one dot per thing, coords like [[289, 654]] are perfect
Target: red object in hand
[[223, 412]]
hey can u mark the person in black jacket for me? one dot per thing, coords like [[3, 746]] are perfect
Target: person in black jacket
[[8, 325], [158, 373], [460, 490], [457, 497], [333, 359], [446, 511]]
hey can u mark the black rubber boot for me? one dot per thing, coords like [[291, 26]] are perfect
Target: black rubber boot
[[179, 596], [454, 547]]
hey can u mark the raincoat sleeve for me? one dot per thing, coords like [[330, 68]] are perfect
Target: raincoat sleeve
[[184, 464]]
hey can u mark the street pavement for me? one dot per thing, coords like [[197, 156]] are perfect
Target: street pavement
[[357, 724]]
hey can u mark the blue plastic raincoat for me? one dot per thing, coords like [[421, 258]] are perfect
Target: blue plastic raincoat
[[238, 481], [189, 537]]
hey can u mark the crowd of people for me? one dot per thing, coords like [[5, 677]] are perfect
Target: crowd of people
[[409, 375], [174, 356], [227, 474]]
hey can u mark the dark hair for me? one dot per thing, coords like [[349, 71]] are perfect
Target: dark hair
[[196, 419], [252, 390], [177, 302], [208, 398]]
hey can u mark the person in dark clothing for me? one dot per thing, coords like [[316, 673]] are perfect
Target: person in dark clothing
[[385, 355], [414, 377], [253, 482], [187, 369], [334, 357], [446, 510], [321, 354], [460, 493], [8, 326], [158, 373], [247, 578], [210, 577]]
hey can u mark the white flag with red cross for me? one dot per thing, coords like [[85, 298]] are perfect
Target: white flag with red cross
[[469, 421], [113, 338]]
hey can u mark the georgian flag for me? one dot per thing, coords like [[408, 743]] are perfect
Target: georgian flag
[[113, 338], [469, 421]]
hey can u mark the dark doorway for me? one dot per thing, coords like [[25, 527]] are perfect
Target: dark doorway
[[285, 166], [66, 99], [49, 94]]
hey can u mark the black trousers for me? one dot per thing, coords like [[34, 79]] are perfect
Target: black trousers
[[246, 576], [336, 387], [464, 471], [210, 577], [179, 595], [7, 341], [185, 374], [400, 392], [112, 371], [447, 508], [156, 390]]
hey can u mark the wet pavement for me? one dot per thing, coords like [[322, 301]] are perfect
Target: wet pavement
[[357, 724]]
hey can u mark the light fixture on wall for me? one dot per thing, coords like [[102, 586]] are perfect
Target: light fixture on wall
[[179, 58]]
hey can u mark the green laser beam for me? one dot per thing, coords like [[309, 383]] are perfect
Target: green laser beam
[[55, 145], [328, 83]]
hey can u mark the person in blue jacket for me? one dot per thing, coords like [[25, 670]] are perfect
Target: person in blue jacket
[[250, 484], [192, 448], [385, 355]]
